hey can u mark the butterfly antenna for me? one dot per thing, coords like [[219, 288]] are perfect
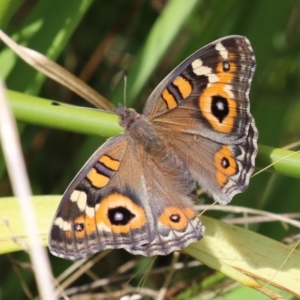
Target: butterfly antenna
[[125, 87]]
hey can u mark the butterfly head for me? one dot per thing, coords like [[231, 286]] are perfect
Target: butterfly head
[[127, 116]]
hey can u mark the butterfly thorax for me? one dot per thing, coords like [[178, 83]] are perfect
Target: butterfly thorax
[[140, 129]]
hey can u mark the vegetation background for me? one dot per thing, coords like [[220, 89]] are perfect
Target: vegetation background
[[97, 40]]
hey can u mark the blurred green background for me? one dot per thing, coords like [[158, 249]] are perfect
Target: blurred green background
[[98, 40]]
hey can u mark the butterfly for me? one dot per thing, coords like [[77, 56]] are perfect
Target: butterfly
[[137, 190]]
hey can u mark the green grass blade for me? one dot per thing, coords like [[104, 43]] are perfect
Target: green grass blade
[[239, 253], [283, 161], [67, 15], [242, 255], [8, 8], [162, 35], [12, 230], [42, 112]]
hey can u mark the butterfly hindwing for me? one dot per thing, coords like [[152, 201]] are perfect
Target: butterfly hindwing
[[122, 198]]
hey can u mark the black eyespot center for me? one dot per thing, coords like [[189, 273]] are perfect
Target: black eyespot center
[[219, 107], [78, 227], [226, 66], [120, 215], [175, 218], [225, 162]]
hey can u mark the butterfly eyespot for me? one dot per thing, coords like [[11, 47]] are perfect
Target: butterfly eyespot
[[78, 227], [226, 66], [219, 107], [175, 218], [225, 163], [120, 215]]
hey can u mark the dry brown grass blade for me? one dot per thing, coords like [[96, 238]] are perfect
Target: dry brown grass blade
[[14, 160], [57, 73]]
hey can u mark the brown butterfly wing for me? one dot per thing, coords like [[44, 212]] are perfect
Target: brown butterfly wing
[[125, 198], [222, 170], [204, 106], [207, 94]]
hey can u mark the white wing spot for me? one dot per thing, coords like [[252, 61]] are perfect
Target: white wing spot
[[64, 225], [74, 196], [212, 78], [80, 197], [199, 70], [90, 211], [222, 50], [228, 89]]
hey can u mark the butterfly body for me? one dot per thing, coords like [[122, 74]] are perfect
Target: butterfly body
[[140, 129], [137, 191]]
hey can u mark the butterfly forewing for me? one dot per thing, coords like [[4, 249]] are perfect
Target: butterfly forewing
[[207, 94]]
